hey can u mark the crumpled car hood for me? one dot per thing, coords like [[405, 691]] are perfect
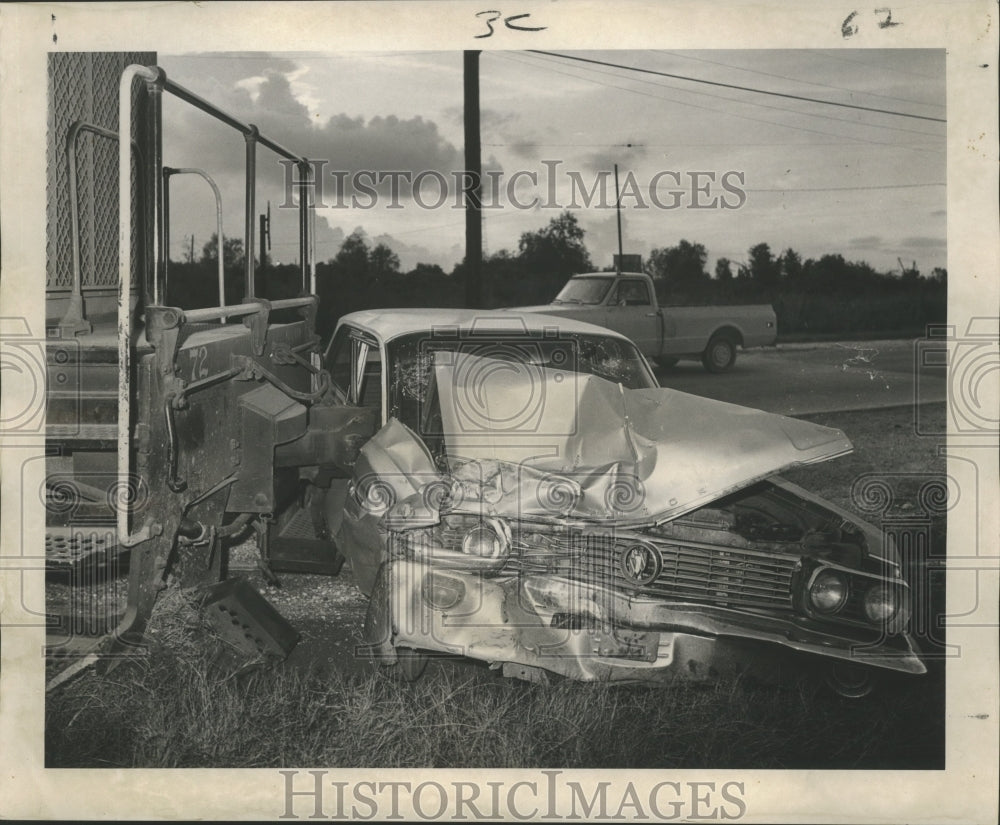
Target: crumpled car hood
[[585, 447], [533, 443]]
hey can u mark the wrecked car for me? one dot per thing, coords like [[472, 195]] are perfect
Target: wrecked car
[[534, 500]]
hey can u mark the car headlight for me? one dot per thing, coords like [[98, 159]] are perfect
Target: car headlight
[[459, 542], [442, 592], [484, 541], [828, 591], [881, 603]]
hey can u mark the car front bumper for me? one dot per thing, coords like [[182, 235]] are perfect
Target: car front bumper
[[537, 623]]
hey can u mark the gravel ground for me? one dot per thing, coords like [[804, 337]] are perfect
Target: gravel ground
[[327, 612]]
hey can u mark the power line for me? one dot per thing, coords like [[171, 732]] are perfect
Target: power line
[[848, 188], [799, 80], [888, 67], [739, 88], [548, 64], [699, 145], [752, 103]]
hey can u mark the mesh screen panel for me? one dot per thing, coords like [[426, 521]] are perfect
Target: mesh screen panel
[[84, 86]]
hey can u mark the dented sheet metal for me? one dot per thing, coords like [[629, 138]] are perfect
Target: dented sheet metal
[[534, 508], [587, 448], [608, 636]]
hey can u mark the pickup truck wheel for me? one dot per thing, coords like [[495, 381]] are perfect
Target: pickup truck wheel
[[720, 354]]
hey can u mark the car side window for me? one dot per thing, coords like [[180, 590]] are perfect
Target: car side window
[[632, 294], [367, 375], [338, 362], [355, 367]]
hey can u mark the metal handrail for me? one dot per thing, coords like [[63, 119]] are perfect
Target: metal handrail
[[75, 320], [200, 316], [252, 137], [219, 114], [157, 82], [169, 172]]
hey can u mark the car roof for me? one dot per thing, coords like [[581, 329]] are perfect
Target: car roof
[[387, 324], [610, 274]]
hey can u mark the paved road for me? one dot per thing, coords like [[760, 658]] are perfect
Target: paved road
[[799, 379]]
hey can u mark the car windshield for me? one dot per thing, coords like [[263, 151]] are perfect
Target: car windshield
[[589, 290], [411, 358]]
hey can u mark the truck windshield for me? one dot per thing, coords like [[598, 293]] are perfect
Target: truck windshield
[[584, 291], [411, 358]]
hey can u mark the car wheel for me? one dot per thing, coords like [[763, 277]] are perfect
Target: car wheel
[[720, 354], [666, 362], [849, 680], [410, 663], [404, 663]]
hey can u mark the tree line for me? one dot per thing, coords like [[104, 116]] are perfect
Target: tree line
[[825, 295]]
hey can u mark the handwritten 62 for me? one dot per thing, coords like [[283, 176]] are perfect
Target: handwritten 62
[[496, 15], [849, 28]]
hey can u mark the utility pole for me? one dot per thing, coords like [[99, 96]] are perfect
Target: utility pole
[[473, 184], [191, 253], [618, 209]]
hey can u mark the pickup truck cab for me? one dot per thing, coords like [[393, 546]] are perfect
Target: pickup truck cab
[[626, 303]]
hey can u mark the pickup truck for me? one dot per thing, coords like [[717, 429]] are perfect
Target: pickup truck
[[626, 303]]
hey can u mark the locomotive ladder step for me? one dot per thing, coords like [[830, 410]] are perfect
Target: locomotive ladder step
[[82, 432], [70, 549]]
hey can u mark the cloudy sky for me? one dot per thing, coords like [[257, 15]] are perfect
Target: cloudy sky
[[720, 166]]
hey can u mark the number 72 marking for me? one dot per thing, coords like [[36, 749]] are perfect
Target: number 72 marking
[[199, 369]]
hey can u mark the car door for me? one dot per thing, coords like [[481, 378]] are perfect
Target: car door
[[354, 361], [630, 310]]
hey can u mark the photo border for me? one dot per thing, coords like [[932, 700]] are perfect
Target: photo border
[[966, 791]]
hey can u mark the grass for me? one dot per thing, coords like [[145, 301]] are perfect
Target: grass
[[886, 445], [174, 710], [186, 705]]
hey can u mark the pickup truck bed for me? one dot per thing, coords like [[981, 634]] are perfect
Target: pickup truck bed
[[627, 304]]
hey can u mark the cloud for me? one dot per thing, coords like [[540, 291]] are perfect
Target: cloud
[[271, 95], [525, 148], [866, 242], [328, 238], [923, 242], [348, 144], [276, 102], [489, 119]]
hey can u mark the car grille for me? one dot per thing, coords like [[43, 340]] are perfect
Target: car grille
[[690, 572]]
